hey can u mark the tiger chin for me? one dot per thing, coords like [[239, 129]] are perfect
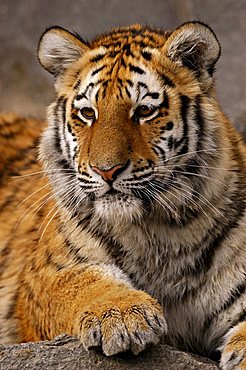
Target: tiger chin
[[133, 228]]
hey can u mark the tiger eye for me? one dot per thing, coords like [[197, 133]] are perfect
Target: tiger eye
[[88, 113], [144, 111]]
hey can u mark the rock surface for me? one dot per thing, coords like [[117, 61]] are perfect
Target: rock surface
[[66, 353]]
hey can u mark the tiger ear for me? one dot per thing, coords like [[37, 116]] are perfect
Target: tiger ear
[[194, 45], [58, 48]]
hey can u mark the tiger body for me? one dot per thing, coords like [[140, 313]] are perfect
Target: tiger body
[[143, 190]]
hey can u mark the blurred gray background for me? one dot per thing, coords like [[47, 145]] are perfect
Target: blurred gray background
[[25, 88]]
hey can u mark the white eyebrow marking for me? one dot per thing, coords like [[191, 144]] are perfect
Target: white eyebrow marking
[[146, 88]]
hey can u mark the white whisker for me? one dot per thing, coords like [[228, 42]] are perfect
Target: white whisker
[[163, 170], [203, 200], [164, 199], [57, 204], [44, 172], [39, 206], [197, 151]]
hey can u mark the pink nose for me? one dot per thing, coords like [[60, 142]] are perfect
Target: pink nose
[[111, 174]]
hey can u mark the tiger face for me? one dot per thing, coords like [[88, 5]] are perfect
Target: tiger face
[[128, 116]]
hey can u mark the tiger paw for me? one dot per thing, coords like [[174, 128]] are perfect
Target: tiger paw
[[233, 355], [128, 321]]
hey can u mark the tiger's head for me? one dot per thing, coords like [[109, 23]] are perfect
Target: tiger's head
[[134, 115]]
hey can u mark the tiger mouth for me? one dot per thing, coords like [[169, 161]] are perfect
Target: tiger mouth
[[112, 192], [117, 195]]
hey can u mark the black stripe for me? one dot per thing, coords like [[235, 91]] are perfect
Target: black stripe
[[123, 63], [120, 92], [50, 261], [216, 236], [75, 252], [130, 83], [162, 151], [64, 164], [57, 142], [200, 123], [237, 292], [57, 123], [185, 103], [97, 95], [77, 118], [120, 82], [84, 222], [97, 58], [76, 86], [128, 92], [165, 103], [127, 49], [87, 88], [205, 260], [184, 109], [142, 84], [192, 165], [70, 129], [105, 86], [113, 54], [170, 143], [64, 103], [146, 55], [81, 96], [240, 318], [5, 254], [63, 106], [97, 70], [183, 150], [139, 85], [136, 69], [142, 176], [167, 80], [114, 249], [153, 95]]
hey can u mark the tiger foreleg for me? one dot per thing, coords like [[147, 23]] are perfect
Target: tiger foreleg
[[100, 309]]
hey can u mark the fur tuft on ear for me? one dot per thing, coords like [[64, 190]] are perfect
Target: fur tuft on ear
[[194, 45], [58, 48]]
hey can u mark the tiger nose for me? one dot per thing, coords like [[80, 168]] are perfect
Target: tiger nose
[[111, 174]]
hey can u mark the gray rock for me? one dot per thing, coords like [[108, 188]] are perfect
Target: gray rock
[[66, 353]]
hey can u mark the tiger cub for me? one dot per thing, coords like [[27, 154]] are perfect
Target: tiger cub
[[136, 228]]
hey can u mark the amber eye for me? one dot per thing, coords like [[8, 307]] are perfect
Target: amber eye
[[88, 113], [143, 111]]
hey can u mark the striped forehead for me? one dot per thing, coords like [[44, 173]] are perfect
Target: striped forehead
[[134, 81], [145, 86]]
